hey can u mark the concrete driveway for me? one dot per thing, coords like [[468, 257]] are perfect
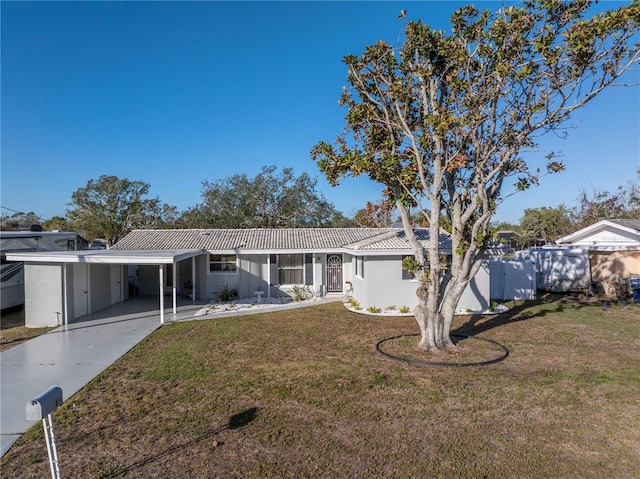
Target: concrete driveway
[[71, 356]]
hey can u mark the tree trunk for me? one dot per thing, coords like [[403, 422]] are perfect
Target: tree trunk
[[445, 316], [435, 322], [425, 322]]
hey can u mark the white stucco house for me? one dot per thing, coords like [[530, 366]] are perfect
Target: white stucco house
[[364, 263]]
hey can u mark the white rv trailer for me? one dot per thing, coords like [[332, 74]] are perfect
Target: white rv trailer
[[559, 269], [12, 274]]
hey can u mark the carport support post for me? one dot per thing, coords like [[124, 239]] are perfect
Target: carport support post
[[193, 279], [161, 274], [174, 290], [65, 295], [269, 276]]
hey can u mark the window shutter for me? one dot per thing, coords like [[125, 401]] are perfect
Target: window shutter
[[308, 269], [273, 269]]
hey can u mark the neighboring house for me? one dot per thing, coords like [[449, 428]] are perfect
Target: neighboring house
[[507, 237], [365, 263], [614, 250], [12, 274]]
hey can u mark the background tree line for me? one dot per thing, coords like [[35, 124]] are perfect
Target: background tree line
[[109, 207], [539, 226]]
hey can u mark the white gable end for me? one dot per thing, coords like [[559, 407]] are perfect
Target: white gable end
[[604, 234], [608, 238]]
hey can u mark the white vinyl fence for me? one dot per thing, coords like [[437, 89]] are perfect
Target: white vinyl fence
[[512, 279]]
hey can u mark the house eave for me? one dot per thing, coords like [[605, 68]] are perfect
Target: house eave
[[106, 256], [607, 248], [390, 252], [241, 252]]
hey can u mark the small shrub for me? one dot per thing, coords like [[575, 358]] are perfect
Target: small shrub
[[373, 309], [390, 308], [405, 310], [300, 293], [227, 294], [354, 304]]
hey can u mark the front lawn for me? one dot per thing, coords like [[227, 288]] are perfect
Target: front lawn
[[303, 393]]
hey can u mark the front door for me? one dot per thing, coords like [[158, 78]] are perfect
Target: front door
[[334, 273], [116, 283], [80, 290]]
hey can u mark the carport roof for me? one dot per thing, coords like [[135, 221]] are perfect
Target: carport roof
[[109, 256]]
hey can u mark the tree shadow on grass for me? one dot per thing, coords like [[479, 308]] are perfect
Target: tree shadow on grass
[[547, 304], [243, 418], [236, 421]]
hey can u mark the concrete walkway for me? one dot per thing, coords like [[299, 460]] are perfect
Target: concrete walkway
[[71, 356]]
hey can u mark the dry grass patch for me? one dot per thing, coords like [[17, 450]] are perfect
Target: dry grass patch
[[18, 335], [302, 393], [13, 330]]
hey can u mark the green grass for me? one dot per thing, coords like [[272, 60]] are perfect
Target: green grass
[[302, 393]]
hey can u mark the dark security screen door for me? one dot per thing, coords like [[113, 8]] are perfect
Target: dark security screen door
[[334, 273]]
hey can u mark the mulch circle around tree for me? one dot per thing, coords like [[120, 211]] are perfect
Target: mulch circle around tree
[[400, 348]]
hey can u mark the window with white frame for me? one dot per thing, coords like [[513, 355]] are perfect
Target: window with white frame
[[360, 266], [223, 263], [405, 273], [291, 269]]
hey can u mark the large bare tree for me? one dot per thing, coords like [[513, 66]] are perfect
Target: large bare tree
[[442, 120]]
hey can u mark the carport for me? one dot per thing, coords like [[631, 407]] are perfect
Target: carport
[[52, 286]]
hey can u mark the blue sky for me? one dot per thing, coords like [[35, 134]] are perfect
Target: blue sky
[[174, 93]]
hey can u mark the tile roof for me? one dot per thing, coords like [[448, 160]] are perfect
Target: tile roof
[[314, 239], [396, 240], [247, 239], [633, 224]]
